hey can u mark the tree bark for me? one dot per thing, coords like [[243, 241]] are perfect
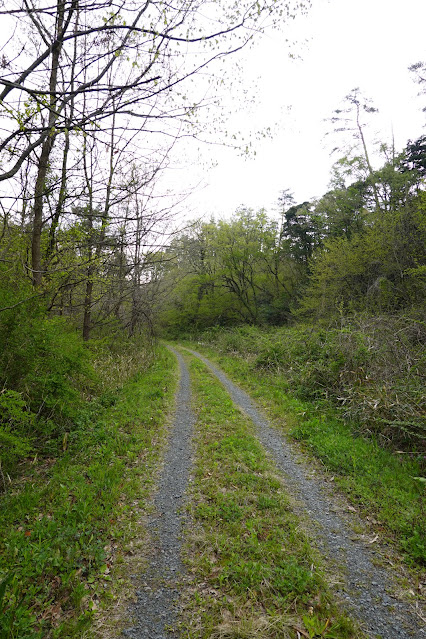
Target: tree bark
[[43, 163]]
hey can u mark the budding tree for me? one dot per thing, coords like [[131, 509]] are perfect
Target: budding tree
[[76, 70]]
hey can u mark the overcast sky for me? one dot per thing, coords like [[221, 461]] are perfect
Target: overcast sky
[[341, 44]]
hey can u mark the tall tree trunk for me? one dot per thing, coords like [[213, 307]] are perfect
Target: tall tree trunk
[[134, 315], [94, 256], [87, 317], [36, 258], [367, 158], [87, 307], [43, 163]]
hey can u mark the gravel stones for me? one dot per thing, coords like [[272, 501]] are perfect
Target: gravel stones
[[364, 588], [155, 612]]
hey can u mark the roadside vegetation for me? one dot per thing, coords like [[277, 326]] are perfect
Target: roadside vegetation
[[74, 492], [255, 573], [318, 309], [278, 368], [371, 369]]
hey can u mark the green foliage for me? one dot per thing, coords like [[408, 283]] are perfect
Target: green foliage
[[247, 547], [302, 230], [43, 370], [379, 270], [387, 487], [41, 356], [343, 211], [48, 374], [359, 248], [226, 273], [60, 522], [16, 423], [373, 476], [371, 369]]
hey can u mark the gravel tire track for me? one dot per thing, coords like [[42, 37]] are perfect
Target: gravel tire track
[[366, 589], [156, 610]]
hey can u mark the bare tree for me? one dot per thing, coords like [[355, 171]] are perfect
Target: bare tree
[[92, 89], [349, 119], [84, 63]]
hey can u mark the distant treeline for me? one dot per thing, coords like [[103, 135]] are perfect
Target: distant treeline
[[359, 248]]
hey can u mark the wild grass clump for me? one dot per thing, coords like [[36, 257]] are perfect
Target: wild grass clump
[[372, 368], [118, 357], [378, 481]]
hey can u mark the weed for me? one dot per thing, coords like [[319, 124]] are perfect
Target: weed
[[382, 484], [253, 567]]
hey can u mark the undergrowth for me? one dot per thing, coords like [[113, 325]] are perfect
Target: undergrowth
[[386, 487], [256, 574], [372, 369], [47, 377], [67, 518]]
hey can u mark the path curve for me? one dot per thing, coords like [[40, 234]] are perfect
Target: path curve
[[156, 610], [366, 589]]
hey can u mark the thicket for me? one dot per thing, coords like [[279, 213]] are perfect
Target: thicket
[[50, 378], [372, 369]]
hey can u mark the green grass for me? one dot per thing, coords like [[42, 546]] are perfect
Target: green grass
[[383, 485], [255, 574], [66, 522]]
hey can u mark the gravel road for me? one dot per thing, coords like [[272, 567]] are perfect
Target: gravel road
[[364, 588], [155, 613]]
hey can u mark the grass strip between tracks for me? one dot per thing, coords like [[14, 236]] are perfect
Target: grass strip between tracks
[[68, 526], [254, 572]]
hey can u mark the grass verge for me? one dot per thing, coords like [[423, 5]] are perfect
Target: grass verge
[[385, 487], [255, 574], [67, 523]]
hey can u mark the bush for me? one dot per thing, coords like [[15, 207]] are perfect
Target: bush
[[16, 423], [48, 376], [44, 361], [43, 365], [372, 368]]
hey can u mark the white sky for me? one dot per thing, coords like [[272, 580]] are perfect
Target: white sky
[[342, 44]]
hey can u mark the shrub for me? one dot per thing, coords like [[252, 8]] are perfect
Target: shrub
[[43, 365], [372, 368]]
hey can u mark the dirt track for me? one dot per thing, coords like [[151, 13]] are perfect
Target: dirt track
[[155, 613], [365, 589]]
